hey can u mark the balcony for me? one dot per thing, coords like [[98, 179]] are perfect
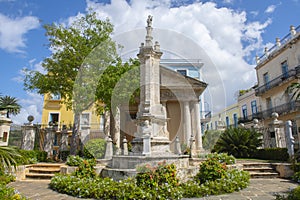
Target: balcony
[[281, 109], [250, 118], [278, 80]]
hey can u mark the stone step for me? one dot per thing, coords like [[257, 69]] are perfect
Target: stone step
[[43, 170], [260, 169], [264, 175], [38, 176], [50, 165]]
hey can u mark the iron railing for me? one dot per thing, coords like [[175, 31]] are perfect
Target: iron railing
[[278, 80]]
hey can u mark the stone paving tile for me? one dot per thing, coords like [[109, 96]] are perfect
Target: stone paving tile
[[259, 189]]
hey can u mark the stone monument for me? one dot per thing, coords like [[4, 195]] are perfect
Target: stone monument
[[151, 144], [151, 117]]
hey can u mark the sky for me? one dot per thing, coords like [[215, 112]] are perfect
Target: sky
[[229, 32]]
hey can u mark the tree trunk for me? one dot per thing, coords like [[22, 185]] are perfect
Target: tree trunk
[[74, 139]]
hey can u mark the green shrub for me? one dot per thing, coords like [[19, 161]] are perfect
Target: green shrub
[[211, 170], [6, 192], [151, 182], [95, 148], [86, 169], [292, 195], [279, 154], [63, 155], [222, 158], [74, 160], [234, 180], [31, 156]]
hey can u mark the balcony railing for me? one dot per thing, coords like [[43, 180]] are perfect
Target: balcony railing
[[283, 41], [278, 80], [266, 114]]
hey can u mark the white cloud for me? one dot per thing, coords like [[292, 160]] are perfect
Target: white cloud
[[31, 105], [12, 32], [270, 9], [220, 32], [228, 1]]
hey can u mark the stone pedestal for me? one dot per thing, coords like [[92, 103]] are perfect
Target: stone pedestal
[[277, 132], [28, 132], [49, 140]]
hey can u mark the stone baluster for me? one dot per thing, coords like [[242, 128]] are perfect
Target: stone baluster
[[177, 146], [109, 148], [125, 147]]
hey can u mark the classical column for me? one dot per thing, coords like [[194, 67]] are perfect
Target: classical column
[[197, 128], [187, 122]]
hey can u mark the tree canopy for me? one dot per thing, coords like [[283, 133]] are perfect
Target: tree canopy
[[71, 57], [10, 104]]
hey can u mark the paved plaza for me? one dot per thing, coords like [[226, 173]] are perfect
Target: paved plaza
[[259, 189]]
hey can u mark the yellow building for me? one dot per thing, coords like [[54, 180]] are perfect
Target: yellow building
[[56, 113], [224, 119]]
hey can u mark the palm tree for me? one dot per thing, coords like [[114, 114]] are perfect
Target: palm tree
[[294, 88], [239, 142], [8, 158], [10, 104]]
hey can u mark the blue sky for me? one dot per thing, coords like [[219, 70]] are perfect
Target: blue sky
[[231, 32]]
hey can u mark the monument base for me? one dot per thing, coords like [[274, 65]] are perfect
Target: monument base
[[158, 146]]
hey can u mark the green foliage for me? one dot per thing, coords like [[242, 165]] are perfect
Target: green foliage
[[8, 158], [31, 156], [74, 160], [210, 138], [211, 170], [10, 104], [6, 192], [152, 182], [160, 181], [63, 155], [280, 154], [96, 148], [119, 83], [292, 195], [294, 88], [234, 180], [222, 158], [239, 142], [86, 169]]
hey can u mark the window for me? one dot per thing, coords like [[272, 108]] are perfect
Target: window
[[183, 72], [54, 118], [269, 103], [284, 68], [266, 80], [102, 121], [253, 107], [227, 121], [54, 96], [85, 119], [235, 120], [244, 111]]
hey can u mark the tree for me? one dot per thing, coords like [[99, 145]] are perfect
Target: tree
[[239, 142], [10, 104], [8, 158], [81, 52], [294, 88], [210, 138]]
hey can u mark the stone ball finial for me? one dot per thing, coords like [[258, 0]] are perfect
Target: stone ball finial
[[275, 115], [30, 118], [255, 121]]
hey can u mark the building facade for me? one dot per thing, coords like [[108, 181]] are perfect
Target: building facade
[[276, 70]]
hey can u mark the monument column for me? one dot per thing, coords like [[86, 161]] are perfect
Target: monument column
[[151, 117]]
